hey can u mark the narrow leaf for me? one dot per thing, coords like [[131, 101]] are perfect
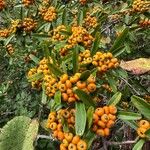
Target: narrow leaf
[[139, 145], [75, 59], [57, 98], [129, 115], [34, 58], [80, 18], [64, 17], [90, 112], [44, 96], [87, 100], [141, 105], [95, 44], [35, 77], [131, 123], [148, 133], [80, 118], [119, 41], [85, 75], [115, 99]]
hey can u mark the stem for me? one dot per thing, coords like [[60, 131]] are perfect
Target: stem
[[45, 137], [121, 143]]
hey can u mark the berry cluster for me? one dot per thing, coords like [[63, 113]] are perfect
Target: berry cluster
[[144, 125], [140, 5], [14, 25], [104, 61], [28, 24], [2, 4], [79, 36], [10, 49], [57, 35], [90, 21], [4, 33], [144, 23], [35, 84], [104, 119], [27, 3], [68, 140], [85, 57], [67, 85], [48, 14]]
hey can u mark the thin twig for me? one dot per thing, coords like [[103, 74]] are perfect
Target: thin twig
[[45, 137], [121, 143]]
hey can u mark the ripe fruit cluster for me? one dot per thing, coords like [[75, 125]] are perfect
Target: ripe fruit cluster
[[4, 33], [144, 23], [104, 61], [28, 24], [90, 21], [140, 5], [14, 25], [57, 35], [48, 14], [2, 4], [144, 125], [10, 49], [85, 57], [104, 119], [26, 3], [79, 36], [67, 85], [68, 140]]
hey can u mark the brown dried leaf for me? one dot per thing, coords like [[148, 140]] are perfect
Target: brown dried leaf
[[137, 66]]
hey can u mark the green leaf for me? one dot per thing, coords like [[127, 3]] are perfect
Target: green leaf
[[9, 39], [85, 75], [31, 135], [112, 82], [44, 96], [80, 18], [19, 134], [87, 100], [115, 99], [147, 133], [90, 112], [64, 17], [35, 77], [57, 98], [139, 145], [95, 44], [75, 60], [34, 58], [121, 73], [129, 115], [80, 118], [141, 105], [40, 36], [131, 123], [119, 41], [43, 124], [65, 126]]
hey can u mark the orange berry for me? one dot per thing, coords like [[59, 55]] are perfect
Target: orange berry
[[53, 126], [65, 142], [91, 87], [72, 147], [65, 96], [95, 127], [110, 65], [112, 109], [68, 84], [62, 87], [81, 85], [72, 119], [106, 131], [55, 133], [101, 124], [60, 135], [51, 118], [112, 117], [114, 60], [72, 112], [62, 147], [99, 111], [76, 139], [144, 124], [91, 79], [141, 132], [109, 55], [82, 145], [74, 79], [110, 123], [100, 132], [95, 118], [68, 136], [63, 78], [106, 109], [105, 118], [104, 68], [66, 114], [71, 99], [70, 92], [59, 127]]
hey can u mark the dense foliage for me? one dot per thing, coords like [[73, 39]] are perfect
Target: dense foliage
[[74, 74]]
